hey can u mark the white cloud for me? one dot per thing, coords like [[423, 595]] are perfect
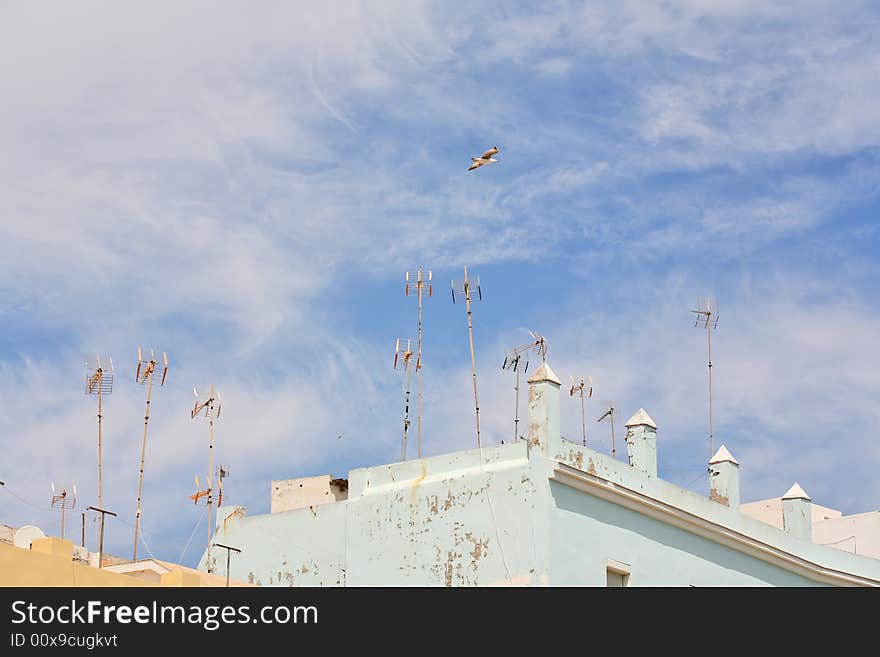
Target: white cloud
[[205, 176]]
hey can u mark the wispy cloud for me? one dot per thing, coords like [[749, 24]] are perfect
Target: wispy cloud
[[244, 188]]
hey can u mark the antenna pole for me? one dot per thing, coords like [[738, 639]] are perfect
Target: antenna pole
[[516, 410], [709, 343], [583, 418], [137, 516], [83, 529], [100, 487], [467, 299], [62, 523], [210, 489], [406, 407], [418, 371], [613, 451]]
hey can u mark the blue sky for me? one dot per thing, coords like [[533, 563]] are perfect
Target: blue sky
[[244, 188]]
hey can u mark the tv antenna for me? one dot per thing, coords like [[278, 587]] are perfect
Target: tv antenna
[[403, 360], [464, 288], [583, 390], [610, 415], [150, 365], [99, 381], [419, 282], [517, 360], [707, 318], [222, 473], [207, 405], [63, 497]]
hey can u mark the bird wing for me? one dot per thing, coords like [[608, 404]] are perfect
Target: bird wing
[[475, 165], [489, 153]]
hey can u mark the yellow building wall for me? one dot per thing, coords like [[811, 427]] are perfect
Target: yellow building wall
[[50, 563]]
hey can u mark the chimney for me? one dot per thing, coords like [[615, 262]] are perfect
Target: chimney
[[797, 513], [543, 409], [641, 442], [724, 478]]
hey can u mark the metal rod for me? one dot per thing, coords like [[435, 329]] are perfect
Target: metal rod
[[613, 450], [229, 550], [83, 529], [583, 418], [103, 512], [467, 298], [137, 516], [516, 412], [418, 372], [100, 486], [406, 407], [709, 343], [62, 523], [210, 490]]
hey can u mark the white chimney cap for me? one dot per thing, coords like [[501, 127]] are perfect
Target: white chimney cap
[[544, 373], [796, 493], [640, 418], [723, 456]]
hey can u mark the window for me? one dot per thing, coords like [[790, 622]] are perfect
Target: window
[[616, 573]]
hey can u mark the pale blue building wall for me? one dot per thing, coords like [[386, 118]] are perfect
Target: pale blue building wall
[[541, 512]]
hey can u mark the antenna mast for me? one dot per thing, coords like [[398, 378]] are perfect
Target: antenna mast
[[208, 405], [63, 497], [148, 367], [707, 318], [610, 415], [463, 288], [99, 381], [403, 357], [419, 281], [517, 360], [583, 390]]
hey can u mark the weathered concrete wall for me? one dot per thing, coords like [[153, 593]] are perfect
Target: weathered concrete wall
[[468, 518], [289, 494], [304, 547]]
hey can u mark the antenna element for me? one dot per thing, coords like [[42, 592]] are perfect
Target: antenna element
[[63, 497], [582, 390], [517, 360]]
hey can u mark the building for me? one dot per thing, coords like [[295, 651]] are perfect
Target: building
[[544, 511], [53, 561]]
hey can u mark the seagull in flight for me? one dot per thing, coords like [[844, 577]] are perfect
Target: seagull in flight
[[485, 158]]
